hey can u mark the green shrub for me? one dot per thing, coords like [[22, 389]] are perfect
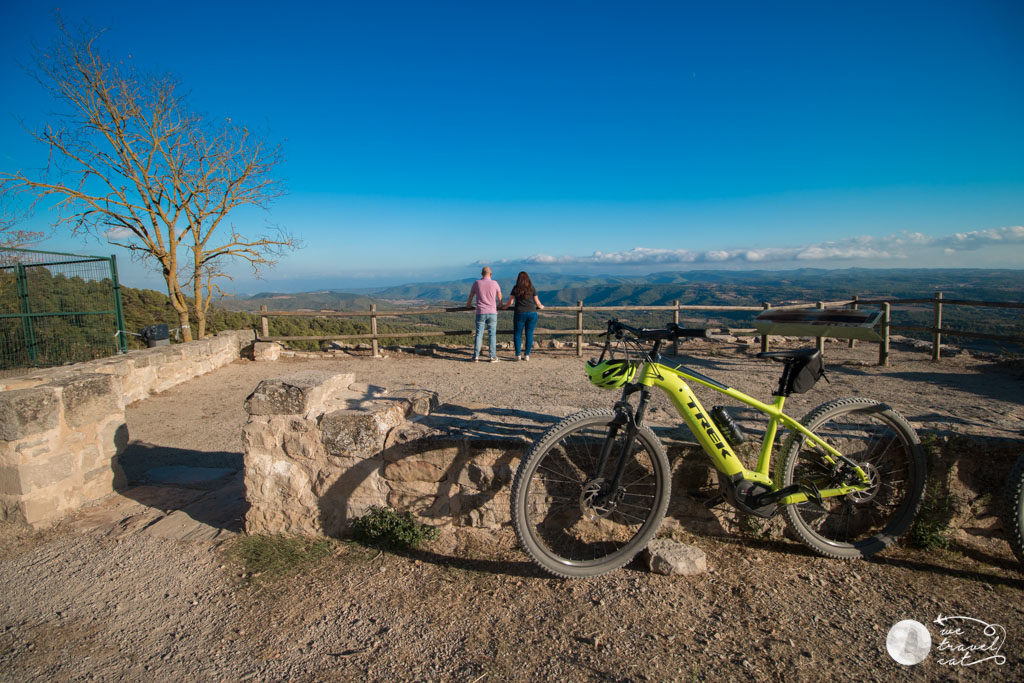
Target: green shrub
[[382, 527]]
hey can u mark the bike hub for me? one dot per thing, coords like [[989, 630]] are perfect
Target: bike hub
[[596, 502], [874, 484]]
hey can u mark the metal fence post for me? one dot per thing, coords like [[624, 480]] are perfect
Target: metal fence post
[[26, 316], [883, 345], [764, 335], [936, 335], [579, 327], [122, 337]]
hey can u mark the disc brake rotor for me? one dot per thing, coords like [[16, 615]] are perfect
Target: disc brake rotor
[[594, 504], [875, 482]]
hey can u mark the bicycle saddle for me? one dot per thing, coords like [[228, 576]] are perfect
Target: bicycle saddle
[[786, 356]]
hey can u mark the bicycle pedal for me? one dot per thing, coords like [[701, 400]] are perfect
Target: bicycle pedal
[[714, 501]]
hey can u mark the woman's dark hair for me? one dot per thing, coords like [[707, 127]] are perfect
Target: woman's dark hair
[[524, 288]]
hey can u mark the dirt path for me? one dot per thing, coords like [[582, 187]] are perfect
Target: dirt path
[[114, 600]]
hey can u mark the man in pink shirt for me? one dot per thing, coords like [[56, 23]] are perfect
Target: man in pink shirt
[[488, 298]]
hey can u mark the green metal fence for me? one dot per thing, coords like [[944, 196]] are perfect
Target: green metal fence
[[57, 308]]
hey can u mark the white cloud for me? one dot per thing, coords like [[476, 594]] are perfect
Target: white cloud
[[117, 233], [897, 247]]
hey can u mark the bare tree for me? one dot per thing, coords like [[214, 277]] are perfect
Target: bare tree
[[131, 162], [11, 236]]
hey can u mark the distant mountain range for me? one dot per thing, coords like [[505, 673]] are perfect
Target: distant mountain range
[[690, 287]]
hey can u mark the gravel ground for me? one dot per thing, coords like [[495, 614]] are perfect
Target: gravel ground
[[111, 604]]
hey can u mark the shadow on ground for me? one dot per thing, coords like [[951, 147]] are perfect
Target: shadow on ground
[[205, 487]]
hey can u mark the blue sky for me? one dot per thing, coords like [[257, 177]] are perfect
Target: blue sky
[[425, 137]]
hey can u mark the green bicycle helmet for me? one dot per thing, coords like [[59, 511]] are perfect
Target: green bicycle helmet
[[610, 374]]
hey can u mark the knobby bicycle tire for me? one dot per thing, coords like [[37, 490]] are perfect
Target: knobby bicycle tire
[[884, 444], [1014, 514], [553, 517]]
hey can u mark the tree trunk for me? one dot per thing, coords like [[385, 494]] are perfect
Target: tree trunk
[[179, 302], [200, 307], [186, 329]]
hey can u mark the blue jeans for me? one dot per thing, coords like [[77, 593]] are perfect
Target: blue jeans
[[527, 320], [491, 320]]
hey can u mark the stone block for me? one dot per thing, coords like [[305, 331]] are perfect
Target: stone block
[[414, 470], [295, 394], [90, 398], [302, 446], [489, 469], [24, 412], [486, 510], [419, 402], [416, 440], [41, 511], [266, 351], [427, 507], [422, 488], [352, 433], [56, 470]]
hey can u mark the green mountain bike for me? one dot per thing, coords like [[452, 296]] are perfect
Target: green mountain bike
[[593, 490]]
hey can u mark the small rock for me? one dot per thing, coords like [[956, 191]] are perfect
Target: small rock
[[665, 556]]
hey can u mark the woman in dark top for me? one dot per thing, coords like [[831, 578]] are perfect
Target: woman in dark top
[[524, 298]]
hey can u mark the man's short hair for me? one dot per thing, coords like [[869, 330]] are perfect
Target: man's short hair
[[486, 270]]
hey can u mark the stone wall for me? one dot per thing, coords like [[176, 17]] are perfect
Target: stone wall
[[62, 429], [320, 450]]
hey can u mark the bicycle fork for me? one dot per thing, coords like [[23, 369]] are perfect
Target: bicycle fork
[[604, 496]]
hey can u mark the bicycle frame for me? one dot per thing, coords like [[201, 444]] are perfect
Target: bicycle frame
[[672, 380]]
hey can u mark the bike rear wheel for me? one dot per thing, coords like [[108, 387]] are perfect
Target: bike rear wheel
[[1014, 522], [886, 447], [559, 517]]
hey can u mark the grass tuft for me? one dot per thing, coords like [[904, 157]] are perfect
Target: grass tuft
[[278, 555]]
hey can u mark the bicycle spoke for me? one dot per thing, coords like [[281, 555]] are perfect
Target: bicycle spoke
[[864, 521]]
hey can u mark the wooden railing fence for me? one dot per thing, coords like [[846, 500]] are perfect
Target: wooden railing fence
[[885, 327]]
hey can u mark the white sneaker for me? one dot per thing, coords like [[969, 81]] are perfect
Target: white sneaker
[[494, 359], [518, 358], [526, 358], [475, 359]]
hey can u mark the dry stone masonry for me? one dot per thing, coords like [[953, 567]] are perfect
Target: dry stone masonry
[[321, 449], [62, 429]]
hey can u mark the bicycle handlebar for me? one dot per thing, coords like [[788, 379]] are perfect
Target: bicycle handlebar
[[671, 331]]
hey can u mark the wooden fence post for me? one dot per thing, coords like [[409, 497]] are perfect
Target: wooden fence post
[[579, 328], [820, 344], [764, 335], [675, 319], [264, 324], [936, 335], [854, 306], [373, 330], [883, 346]]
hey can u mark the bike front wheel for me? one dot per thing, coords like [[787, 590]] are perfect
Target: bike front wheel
[[886, 447], [1015, 509], [562, 511]]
